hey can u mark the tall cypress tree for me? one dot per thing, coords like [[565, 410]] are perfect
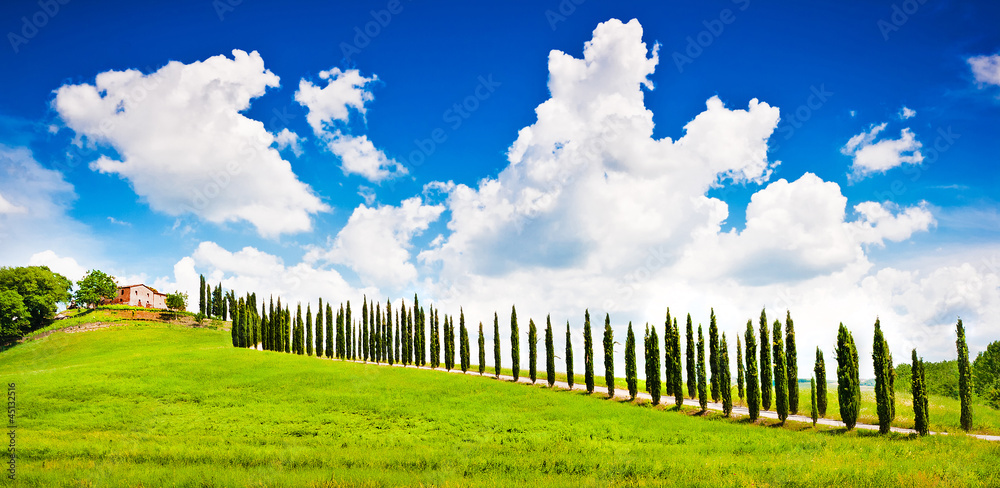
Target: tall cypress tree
[[329, 331], [435, 342], [515, 345], [964, 377], [725, 384], [588, 353], [234, 330], [449, 339], [378, 333], [389, 342], [349, 332], [653, 370], [609, 356], [319, 329], [418, 327], [820, 370], [713, 356], [309, 331], [792, 363], [482, 351], [496, 345], [919, 389], [692, 370], [340, 332], [765, 363], [550, 353], [265, 330], [814, 412], [395, 351], [848, 383], [569, 357], [740, 377], [702, 384], [678, 374], [201, 295], [780, 373], [532, 351], [668, 363], [645, 355], [630, 369], [880, 360], [364, 328], [464, 338], [299, 331], [753, 386]]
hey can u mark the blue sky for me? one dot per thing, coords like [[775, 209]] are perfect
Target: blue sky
[[833, 70]]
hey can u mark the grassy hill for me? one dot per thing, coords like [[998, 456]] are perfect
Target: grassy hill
[[154, 404]]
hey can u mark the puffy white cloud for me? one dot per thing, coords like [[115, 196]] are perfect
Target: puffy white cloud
[[66, 266], [906, 113], [185, 146], [986, 69], [376, 242], [288, 139], [329, 111], [878, 157]]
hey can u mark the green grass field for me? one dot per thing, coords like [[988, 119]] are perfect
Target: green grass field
[[150, 404]]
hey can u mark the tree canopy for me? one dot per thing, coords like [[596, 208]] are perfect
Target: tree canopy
[[94, 287], [28, 297]]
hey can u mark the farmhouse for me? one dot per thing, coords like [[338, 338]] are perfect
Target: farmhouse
[[139, 296]]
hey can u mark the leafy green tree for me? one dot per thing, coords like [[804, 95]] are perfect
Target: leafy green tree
[[482, 351], [814, 412], [515, 345], [848, 382], [986, 374], [13, 313], [308, 329], [820, 370], [588, 353], [740, 374], [464, 338], [550, 353], [94, 287], [921, 417], [780, 373], [883, 366], [765, 363], [702, 386], [964, 377], [496, 345], [692, 370], [630, 369], [569, 357], [532, 351], [678, 374], [753, 386], [653, 370], [792, 363], [609, 356], [713, 356], [177, 301], [725, 382]]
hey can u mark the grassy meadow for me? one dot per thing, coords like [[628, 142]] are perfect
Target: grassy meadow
[[152, 404]]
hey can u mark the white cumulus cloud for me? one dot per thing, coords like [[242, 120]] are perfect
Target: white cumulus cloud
[[906, 113], [986, 69], [871, 157], [185, 145]]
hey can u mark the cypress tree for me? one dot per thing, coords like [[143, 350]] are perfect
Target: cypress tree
[[569, 357], [653, 380], [713, 356], [532, 351], [820, 371], [814, 412], [449, 342], [496, 345], [792, 363], [364, 328], [395, 351], [299, 332], [964, 377], [404, 334], [550, 353], [418, 326], [645, 355], [217, 301], [265, 330], [464, 338], [919, 390], [240, 332], [435, 342], [702, 386], [309, 331], [668, 363], [881, 364], [588, 353], [678, 374], [515, 346], [389, 343], [753, 386], [378, 333], [329, 331], [349, 332], [234, 330], [319, 329], [340, 332], [780, 373], [201, 295], [848, 383], [609, 356], [724, 378], [630, 369], [765, 363], [482, 351], [740, 377], [692, 370], [287, 330]]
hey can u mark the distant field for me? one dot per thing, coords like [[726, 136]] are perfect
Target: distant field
[[164, 405]]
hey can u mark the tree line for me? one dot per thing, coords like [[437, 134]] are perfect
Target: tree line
[[767, 374]]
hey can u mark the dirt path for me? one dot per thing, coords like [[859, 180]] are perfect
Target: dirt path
[[738, 411]]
